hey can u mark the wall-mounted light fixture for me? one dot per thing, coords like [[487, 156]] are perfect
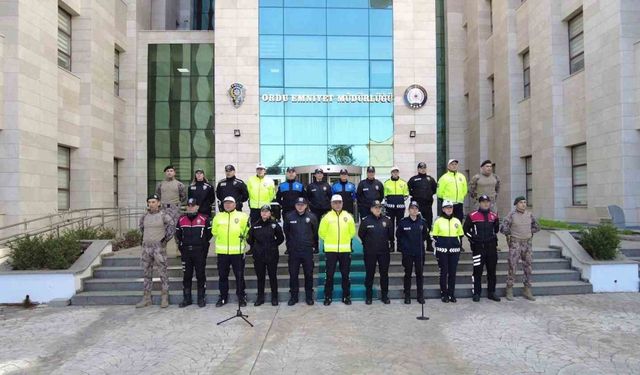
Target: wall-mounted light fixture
[[412, 134], [236, 132]]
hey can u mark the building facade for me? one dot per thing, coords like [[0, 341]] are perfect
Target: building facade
[[548, 90], [99, 96]]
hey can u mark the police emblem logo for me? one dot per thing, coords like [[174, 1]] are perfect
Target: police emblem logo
[[204, 187], [384, 224], [344, 219], [307, 220], [236, 220], [455, 225], [273, 226], [324, 188], [235, 182], [377, 187]]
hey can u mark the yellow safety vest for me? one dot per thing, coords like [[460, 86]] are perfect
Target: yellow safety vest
[[228, 228], [261, 191], [337, 230], [397, 187], [443, 227], [452, 186]]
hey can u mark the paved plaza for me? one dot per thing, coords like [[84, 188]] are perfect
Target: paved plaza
[[586, 334]]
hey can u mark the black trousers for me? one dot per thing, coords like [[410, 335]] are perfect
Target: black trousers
[[319, 213], [448, 264], [411, 263], [458, 211], [302, 258], [426, 210], [370, 260], [262, 266], [254, 215], [194, 257], [225, 262], [484, 255], [332, 259], [363, 211], [395, 214]]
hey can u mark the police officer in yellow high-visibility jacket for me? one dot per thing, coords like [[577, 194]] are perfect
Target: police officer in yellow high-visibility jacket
[[452, 186], [336, 229], [396, 191], [230, 230], [261, 190]]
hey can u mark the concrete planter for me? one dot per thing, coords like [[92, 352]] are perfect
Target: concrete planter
[[45, 286], [617, 275]]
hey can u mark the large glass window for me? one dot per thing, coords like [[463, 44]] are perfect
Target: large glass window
[[180, 110], [64, 177], [579, 174], [327, 59], [203, 15], [64, 39]]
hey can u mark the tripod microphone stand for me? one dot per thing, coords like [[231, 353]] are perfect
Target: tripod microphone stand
[[239, 280]]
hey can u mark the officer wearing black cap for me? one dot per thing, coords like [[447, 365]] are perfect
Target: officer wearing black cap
[[264, 238], [231, 186], [301, 232], [202, 192], [193, 233], [422, 187], [369, 190], [376, 234], [347, 190], [481, 228], [411, 233], [289, 191], [318, 193]]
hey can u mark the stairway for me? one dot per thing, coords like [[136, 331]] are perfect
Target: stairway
[[356, 275], [119, 279]]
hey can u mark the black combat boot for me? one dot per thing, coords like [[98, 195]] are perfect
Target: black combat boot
[[202, 298], [186, 298]]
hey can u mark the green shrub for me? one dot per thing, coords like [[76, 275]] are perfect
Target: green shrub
[[95, 233], [601, 242], [44, 252], [131, 238], [557, 224]]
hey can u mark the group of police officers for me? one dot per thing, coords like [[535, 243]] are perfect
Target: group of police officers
[[323, 211]]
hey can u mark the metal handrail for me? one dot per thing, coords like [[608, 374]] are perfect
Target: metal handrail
[[84, 218]]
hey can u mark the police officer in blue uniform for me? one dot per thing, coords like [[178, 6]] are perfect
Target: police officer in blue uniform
[[347, 190], [289, 191]]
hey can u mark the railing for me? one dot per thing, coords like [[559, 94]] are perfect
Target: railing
[[120, 219]]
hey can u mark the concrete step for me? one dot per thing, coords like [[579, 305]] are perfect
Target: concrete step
[[395, 266], [129, 260], [396, 278], [395, 292]]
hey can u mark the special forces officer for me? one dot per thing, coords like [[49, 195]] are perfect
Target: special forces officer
[[376, 234], [369, 190], [193, 233], [230, 229], [157, 229], [301, 231], [171, 193], [318, 194], [262, 190], [337, 228], [231, 186]]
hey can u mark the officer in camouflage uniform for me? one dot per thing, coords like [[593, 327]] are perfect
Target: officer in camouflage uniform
[[157, 229], [519, 226], [171, 192]]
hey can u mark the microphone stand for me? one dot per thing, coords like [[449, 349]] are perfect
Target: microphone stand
[[239, 280]]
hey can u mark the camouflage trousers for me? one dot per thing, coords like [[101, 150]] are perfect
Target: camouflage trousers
[[154, 254], [173, 211], [519, 251]]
